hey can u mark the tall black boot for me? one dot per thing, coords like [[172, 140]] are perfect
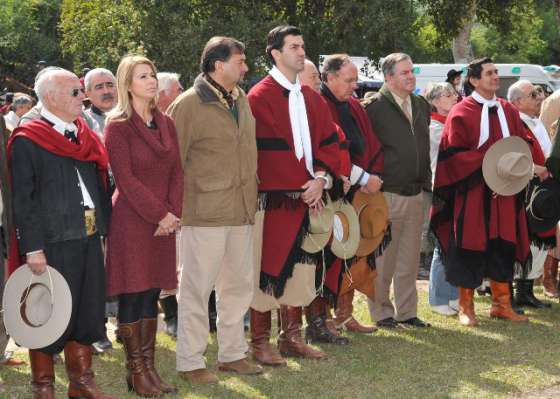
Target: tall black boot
[[524, 295], [169, 307], [516, 308]]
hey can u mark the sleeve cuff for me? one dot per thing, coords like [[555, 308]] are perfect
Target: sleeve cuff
[[358, 176]]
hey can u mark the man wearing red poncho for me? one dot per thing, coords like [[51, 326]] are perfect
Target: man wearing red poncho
[[482, 234]]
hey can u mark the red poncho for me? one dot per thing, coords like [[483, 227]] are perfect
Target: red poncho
[[280, 171], [463, 205]]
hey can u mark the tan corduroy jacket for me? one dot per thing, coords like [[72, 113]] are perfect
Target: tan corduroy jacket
[[219, 155]]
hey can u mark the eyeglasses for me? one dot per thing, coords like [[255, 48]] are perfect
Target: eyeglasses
[[76, 92]]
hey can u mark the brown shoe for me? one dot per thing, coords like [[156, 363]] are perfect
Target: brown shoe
[[241, 366], [501, 303], [343, 315], [80, 375], [550, 277], [199, 377], [290, 342], [137, 378], [467, 316], [42, 374], [261, 349], [148, 329]]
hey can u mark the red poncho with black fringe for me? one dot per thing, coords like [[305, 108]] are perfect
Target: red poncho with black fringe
[[281, 176]]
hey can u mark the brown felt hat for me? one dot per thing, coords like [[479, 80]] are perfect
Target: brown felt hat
[[346, 230], [373, 215], [508, 166]]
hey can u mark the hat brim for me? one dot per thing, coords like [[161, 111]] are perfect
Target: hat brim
[[537, 225], [377, 202], [490, 172], [46, 334], [313, 243], [348, 248]]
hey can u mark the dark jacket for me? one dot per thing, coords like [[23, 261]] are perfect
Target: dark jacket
[[406, 146], [47, 199]]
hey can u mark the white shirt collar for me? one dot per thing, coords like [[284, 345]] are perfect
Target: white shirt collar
[[59, 125]]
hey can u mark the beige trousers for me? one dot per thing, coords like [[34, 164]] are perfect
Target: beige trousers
[[399, 263], [217, 258]]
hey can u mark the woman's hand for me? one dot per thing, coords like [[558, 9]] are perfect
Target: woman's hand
[[169, 224]]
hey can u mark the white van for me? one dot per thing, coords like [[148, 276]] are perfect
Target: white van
[[509, 74]]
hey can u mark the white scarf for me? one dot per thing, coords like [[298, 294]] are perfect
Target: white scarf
[[538, 129], [298, 118], [485, 120]]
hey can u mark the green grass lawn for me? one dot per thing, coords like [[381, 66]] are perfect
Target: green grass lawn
[[495, 360]]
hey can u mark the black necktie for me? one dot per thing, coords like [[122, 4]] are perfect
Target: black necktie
[[70, 135]]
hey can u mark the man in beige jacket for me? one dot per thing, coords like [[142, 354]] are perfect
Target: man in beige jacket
[[216, 133]]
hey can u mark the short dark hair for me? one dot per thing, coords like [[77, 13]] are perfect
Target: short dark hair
[[219, 48], [275, 39], [333, 63], [474, 70]]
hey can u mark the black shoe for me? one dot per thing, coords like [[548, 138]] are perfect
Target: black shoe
[[485, 291], [102, 346], [388, 323], [171, 327], [524, 295], [414, 322], [317, 331]]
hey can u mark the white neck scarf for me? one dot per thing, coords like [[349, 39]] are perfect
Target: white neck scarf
[[298, 118], [485, 120], [538, 129]]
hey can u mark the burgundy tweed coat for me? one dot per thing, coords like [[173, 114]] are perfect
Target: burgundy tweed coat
[[149, 178]]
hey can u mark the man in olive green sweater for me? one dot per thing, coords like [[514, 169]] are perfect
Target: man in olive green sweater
[[401, 121]]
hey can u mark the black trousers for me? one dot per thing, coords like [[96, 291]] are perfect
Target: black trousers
[[138, 305], [467, 269], [81, 264]]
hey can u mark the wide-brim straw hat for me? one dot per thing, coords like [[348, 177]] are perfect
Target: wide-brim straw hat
[[37, 308], [373, 214], [508, 166], [346, 230], [320, 229]]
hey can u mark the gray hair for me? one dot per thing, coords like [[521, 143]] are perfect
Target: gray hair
[[514, 92], [389, 62], [166, 79], [333, 63], [436, 90], [46, 82], [21, 99], [95, 72], [44, 71]]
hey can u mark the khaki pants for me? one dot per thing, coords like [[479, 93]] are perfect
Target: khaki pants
[[399, 263], [219, 258]]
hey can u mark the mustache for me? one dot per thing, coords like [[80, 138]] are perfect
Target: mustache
[[107, 96]]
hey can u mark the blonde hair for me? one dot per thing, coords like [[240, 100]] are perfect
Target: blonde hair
[[123, 110]]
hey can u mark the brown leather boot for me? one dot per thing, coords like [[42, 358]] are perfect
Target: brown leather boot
[[148, 328], [550, 277], [290, 342], [330, 322], [316, 330], [80, 375], [263, 352], [42, 374], [467, 316], [501, 302], [343, 315], [137, 377]]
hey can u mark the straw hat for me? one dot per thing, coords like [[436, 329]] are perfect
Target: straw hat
[[508, 166], [373, 215], [37, 308], [346, 230], [319, 230]]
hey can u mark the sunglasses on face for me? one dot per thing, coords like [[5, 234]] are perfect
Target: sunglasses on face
[[76, 92]]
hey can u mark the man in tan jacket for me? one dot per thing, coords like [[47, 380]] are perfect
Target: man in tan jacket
[[217, 142]]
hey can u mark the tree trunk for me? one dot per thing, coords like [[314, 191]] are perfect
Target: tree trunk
[[462, 49], [557, 7]]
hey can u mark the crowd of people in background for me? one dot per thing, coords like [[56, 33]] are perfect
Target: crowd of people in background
[[221, 209]]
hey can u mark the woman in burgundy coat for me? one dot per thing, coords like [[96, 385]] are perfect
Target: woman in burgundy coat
[[144, 157]]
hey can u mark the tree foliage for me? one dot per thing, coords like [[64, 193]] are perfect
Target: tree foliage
[[28, 33]]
